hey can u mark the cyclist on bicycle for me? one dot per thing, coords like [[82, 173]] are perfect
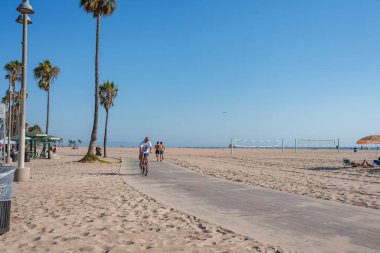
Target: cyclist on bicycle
[[145, 149]]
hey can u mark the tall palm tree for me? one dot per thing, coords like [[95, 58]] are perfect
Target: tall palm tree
[[98, 8], [108, 92], [15, 109], [14, 72], [46, 73]]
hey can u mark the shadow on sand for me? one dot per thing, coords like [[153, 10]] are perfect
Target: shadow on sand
[[114, 174], [324, 168], [374, 171]]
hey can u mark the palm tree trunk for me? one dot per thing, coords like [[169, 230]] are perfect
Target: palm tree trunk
[[91, 147], [47, 111], [18, 116], [105, 135], [14, 119]]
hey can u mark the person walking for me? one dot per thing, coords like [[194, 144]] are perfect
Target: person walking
[[145, 149], [157, 148], [162, 151]]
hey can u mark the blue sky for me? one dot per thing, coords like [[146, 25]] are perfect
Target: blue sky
[[281, 69]]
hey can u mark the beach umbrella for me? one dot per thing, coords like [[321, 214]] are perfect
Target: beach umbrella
[[372, 139]]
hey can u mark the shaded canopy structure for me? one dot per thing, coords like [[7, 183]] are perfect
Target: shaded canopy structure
[[34, 138]]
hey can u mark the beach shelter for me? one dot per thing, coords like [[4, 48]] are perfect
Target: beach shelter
[[37, 137]]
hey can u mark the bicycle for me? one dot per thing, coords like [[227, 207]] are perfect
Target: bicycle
[[144, 165]]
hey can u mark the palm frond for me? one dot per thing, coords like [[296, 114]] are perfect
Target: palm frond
[[14, 71], [99, 7], [107, 94], [46, 73]]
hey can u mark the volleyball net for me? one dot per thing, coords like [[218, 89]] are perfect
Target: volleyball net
[[257, 143], [287, 144], [317, 144]]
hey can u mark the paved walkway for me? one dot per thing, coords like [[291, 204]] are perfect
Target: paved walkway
[[293, 221]]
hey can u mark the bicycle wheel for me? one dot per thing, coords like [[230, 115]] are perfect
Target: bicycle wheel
[[145, 168]]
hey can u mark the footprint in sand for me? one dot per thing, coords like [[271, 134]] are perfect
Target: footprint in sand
[[86, 249], [69, 238], [31, 226]]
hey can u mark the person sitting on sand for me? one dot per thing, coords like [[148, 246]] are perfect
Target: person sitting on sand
[[364, 164], [98, 151]]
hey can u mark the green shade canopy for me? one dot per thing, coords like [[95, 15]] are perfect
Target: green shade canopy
[[15, 138], [39, 137]]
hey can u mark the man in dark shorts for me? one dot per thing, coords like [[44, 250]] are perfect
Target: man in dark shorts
[[157, 148], [162, 150]]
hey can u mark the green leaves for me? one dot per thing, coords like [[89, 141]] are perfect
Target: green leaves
[[107, 94], [46, 73], [99, 7], [14, 71]]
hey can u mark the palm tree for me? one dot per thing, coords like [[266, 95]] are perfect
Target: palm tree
[[35, 129], [72, 143], [98, 8], [16, 108], [46, 73], [14, 72], [108, 92], [60, 141]]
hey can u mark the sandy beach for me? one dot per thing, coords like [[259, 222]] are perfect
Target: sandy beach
[[315, 173], [277, 81], [74, 207]]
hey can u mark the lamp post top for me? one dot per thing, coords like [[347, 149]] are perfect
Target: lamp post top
[[20, 19], [25, 8]]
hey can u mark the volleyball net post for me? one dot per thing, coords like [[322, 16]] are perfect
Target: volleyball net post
[[232, 146], [282, 145], [338, 147]]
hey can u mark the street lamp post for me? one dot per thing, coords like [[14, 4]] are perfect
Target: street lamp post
[[22, 173]]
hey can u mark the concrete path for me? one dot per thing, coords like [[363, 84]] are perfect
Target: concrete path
[[293, 221]]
